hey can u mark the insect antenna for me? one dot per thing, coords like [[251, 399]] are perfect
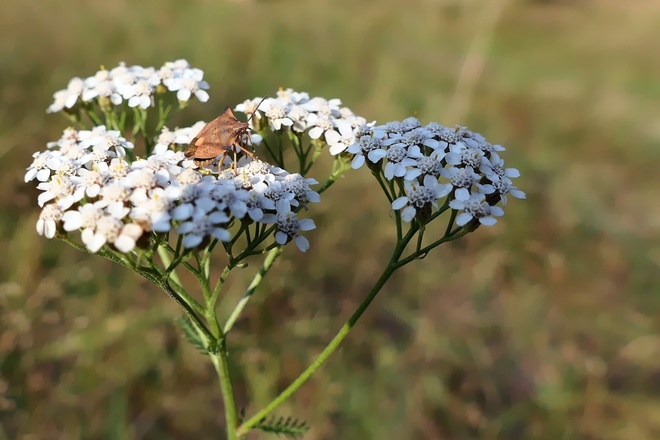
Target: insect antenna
[[247, 139], [257, 108]]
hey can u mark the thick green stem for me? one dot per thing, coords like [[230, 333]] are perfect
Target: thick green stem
[[221, 364], [333, 345]]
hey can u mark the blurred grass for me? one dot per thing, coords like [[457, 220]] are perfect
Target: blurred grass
[[544, 327]]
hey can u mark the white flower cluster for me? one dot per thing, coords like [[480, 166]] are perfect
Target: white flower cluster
[[316, 116], [435, 162], [135, 85], [88, 185]]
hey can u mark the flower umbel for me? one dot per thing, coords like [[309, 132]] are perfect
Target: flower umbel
[[116, 202], [433, 162], [316, 117], [135, 85]]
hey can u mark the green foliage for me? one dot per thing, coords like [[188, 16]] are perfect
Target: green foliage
[[188, 331], [288, 427]]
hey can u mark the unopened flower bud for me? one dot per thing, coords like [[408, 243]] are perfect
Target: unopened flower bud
[[105, 103]]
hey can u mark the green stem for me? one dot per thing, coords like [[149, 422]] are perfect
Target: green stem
[[210, 303], [317, 152], [383, 185], [221, 364], [337, 171], [420, 237], [153, 276], [333, 345], [271, 152], [178, 288], [92, 117], [399, 226], [456, 235], [258, 277]]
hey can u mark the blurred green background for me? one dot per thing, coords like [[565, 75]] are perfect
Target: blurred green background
[[546, 326]]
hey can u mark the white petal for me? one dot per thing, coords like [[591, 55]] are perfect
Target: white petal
[[408, 214], [124, 244], [71, 100], [443, 190], [462, 194], [281, 237], [389, 171], [463, 218], [512, 172], [30, 174], [517, 193], [431, 143], [162, 225], [400, 170], [182, 212], [306, 224], [40, 226], [413, 174], [376, 155], [488, 221], [415, 152], [132, 230], [453, 158], [93, 191], [96, 242], [496, 211], [269, 219], [344, 127], [332, 137], [430, 181], [457, 205], [283, 206], [335, 149], [315, 132], [66, 202], [302, 243], [255, 214], [221, 234], [89, 94], [118, 210], [145, 101], [218, 217], [183, 95], [72, 220], [43, 175], [191, 240], [205, 203], [358, 161], [50, 228], [399, 203], [45, 197], [87, 235], [185, 228]]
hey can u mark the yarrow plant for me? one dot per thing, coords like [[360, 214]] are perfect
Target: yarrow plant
[[119, 185]]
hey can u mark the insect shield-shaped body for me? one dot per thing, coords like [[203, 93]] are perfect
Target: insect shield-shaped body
[[220, 137]]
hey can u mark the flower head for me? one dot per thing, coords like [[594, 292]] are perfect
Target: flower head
[[114, 201], [317, 117], [433, 162], [136, 86]]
